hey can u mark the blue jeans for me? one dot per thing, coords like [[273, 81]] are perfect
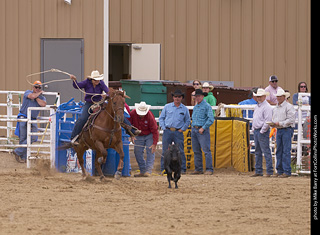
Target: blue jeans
[[178, 139], [146, 141], [201, 141], [81, 120], [283, 153], [261, 142], [22, 152]]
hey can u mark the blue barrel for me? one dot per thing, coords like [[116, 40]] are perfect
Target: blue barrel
[[113, 158]]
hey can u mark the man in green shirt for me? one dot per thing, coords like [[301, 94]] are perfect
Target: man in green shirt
[[208, 96]]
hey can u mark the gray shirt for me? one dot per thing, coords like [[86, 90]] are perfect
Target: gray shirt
[[284, 114], [26, 103]]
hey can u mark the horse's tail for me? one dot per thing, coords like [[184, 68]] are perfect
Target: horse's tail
[[65, 146]]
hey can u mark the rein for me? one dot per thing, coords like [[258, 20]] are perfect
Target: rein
[[113, 117]]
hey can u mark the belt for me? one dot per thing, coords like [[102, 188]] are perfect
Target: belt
[[172, 129], [197, 127]]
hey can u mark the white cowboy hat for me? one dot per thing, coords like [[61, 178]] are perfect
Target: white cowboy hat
[[95, 75], [281, 92], [142, 108], [261, 92], [207, 85]]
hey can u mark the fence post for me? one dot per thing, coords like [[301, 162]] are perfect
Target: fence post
[[52, 137], [9, 114], [28, 137]]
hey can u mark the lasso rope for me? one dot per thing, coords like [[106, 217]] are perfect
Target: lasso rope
[[62, 80]]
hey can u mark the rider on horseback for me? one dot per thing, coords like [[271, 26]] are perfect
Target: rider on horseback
[[93, 87]]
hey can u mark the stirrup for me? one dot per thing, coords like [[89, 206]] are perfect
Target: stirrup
[[74, 140]]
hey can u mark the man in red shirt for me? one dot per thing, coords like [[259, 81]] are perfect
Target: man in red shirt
[[144, 120]]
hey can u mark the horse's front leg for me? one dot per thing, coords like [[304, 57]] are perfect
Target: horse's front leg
[[101, 157], [80, 151], [119, 150]]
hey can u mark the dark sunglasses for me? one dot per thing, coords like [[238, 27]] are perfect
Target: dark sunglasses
[[177, 96], [196, 84], [37, 87], [303, 86], [274, 81]]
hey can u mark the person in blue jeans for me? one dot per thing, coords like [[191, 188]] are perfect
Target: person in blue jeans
[[174, 120], [261, 115], [32, 98], [283, 118], [142, 118], [202, 119], [94, 87]]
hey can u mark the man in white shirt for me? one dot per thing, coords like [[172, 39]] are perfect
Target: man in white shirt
[[272, 89], [262, 114], [283, 118]]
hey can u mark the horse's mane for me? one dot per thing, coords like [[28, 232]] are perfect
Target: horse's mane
[[113, 92]]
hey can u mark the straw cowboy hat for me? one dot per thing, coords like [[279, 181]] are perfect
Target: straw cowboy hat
[[281, 92], [207, 85], [261, 92], [142, 108], [95, 75]]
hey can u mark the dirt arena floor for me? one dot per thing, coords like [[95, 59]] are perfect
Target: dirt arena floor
[[40, 201]]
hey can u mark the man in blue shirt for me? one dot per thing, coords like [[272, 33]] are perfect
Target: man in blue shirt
[[174, 120], [250, 101], [32, 98], [202, 119]]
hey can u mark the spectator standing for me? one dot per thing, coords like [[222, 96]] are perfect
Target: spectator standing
[[262, 114], [302, 88], [142, 118], [31, 98], [306, 100], [283, 119], [252, 100], [196, 85], [208, 96], [202, 119], [174, 120], [272, 89]]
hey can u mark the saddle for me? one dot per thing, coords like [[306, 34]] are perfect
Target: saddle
[[95, 111]]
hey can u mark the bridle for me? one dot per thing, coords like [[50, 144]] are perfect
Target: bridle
[[113, 109]]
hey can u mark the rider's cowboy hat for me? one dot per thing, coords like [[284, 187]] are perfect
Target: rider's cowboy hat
[[281, 92], [95, 75], [261, 92], [142, 108], [207, 85]]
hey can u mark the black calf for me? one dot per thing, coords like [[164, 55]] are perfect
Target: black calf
[[172, 163]]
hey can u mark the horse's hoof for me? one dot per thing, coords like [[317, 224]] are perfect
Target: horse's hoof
[[102, 178], [117, 175], [89, 178]]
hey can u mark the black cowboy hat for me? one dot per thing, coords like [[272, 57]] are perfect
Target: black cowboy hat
[[198, 92], [177, 93]]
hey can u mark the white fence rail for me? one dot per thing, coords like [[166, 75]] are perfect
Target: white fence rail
[[9, 142]]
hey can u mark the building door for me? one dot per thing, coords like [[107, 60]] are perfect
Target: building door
[[65, 55], [145, 61], [134, 61]]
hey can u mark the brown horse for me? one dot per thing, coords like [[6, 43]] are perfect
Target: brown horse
[[103, 132]]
